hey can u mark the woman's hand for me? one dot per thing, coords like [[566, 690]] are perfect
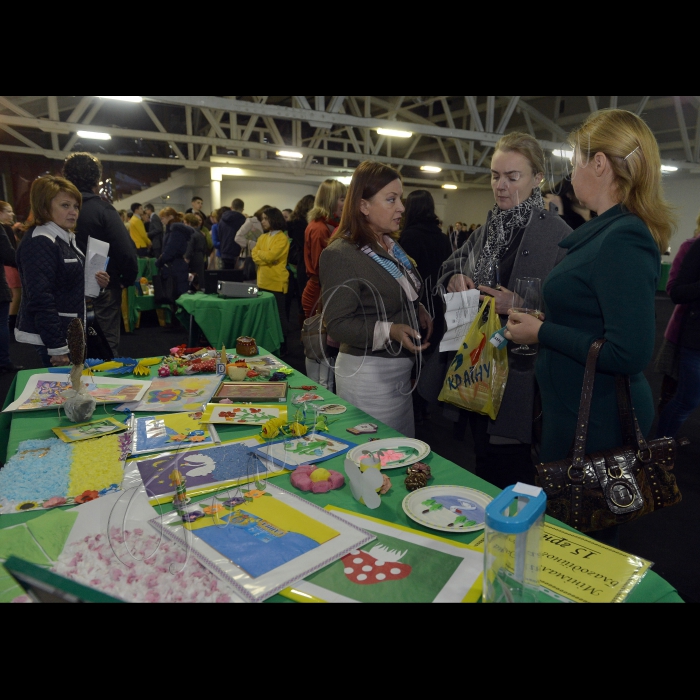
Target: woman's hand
[[523, 329], [503, 297], [425, 322], [460, 283], [404, 335], [102, 279], [59, 360]]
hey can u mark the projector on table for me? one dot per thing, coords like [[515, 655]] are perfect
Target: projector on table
[[233, 290]]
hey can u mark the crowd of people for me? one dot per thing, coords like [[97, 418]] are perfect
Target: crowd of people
[[374, 265]]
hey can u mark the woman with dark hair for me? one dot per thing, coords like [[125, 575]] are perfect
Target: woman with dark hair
[[371, 300], [270, 255], [296, 227], [196, 254], [172, 261], [562, 196]]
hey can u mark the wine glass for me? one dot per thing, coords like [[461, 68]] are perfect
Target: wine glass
[[527, 299]]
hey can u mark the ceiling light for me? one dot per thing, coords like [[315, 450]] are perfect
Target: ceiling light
[[345, 180], [290, 154], [449, 187], [393, 132], [98, 135], [217, 174], [668, 168], [563, 154], [122, 98], [430, 169]]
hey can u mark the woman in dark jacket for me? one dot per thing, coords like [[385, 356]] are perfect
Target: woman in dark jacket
[[7, 263], [196, 254], [172, 261], [296, 227]]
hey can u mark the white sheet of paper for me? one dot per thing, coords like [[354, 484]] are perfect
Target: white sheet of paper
[[460, 310], [95, 261]]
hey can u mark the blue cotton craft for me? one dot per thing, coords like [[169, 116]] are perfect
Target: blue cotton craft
[[30, 477]]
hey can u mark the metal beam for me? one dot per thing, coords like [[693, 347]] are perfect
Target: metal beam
[[681, 125], [508, 114], [162, 129]]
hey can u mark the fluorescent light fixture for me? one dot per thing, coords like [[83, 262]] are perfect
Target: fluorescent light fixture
[[217, 174], [430, 169], [345, 180], [393, 132], [668, 168], [122, 98], [563, 154], [290, 154], [449, 187], [97, 135]]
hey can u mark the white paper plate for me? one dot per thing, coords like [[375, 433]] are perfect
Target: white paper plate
[[413, 451], [447, 508]]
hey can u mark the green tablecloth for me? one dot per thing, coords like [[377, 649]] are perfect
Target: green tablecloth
[[137, 302], [38, 424], [223, 321], [663, 276]]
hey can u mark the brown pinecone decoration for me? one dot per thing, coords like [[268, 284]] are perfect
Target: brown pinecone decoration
[[416, 480], [76, 342], [419, 468]]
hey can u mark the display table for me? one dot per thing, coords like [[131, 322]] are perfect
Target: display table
[[38, 424], [223, 320], [134, 302]]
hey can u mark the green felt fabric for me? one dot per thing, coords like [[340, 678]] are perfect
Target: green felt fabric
[[51, 530], [223, 321], [9, 588], [37, 424], [18, 542]]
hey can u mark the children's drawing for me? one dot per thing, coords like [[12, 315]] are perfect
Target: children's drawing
[[466, 513], [447, 508], [307, 449], [232, 414], [166, 431], [172, 394], [86, 431]]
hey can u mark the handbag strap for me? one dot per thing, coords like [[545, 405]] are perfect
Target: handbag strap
[[584, 410], [631, 432]]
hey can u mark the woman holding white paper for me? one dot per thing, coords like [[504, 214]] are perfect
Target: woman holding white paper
[[519, 239], [51, 268]]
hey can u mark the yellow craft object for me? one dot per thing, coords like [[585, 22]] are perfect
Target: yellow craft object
[[320, 474], [106, 365], [297, 429], [142, 368], [271, 429]]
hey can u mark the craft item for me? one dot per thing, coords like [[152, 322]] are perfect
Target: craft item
[[206, 470], [278, 377], [79, 405], [364, 429], [267, 543], [236, 373], [45, 391], [447, 508], [87, 431], [172, 394], [243, 414], [308, 449], [179, 482], [240, 392], [392, 452], [332, 409], [306, 398], [513, 532], [170, 430], [316, 479], [223, 361], [401, 566], [247, 347], [272, 428], [305, 387], [143, 368], [50, 473], [416, 480], [365, 482]]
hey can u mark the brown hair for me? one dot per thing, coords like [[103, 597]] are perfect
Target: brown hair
[[633, 153], [368, 179], [327, 196], [44, 191], [193, 220], [276, 219], [4, 205], [169, 211], [258, 214], [303, 207], [527, 146]]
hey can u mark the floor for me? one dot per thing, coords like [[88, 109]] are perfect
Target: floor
[[670, 538]]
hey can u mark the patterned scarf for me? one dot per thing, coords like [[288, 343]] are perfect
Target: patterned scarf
[[401, 270], [503, 226]]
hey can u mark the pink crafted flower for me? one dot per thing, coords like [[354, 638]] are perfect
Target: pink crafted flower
[[54, 502], [163, 372]]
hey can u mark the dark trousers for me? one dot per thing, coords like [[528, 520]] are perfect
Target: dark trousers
[[281, 299], [228, 263], [108, 312]]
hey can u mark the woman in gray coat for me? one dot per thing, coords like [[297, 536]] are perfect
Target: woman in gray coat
[[519, 239]]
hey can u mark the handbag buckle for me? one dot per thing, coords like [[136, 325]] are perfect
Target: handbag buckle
[[649, 455]]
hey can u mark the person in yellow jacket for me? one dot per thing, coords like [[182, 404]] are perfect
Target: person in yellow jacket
[[137, 231], [270, 255]]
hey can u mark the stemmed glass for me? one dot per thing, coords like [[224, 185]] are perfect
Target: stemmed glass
[[527, 299]]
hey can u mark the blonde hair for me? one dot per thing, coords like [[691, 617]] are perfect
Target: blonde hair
[[697, 225], [634, 156], [326, 200], [44, 191], [527, 146]]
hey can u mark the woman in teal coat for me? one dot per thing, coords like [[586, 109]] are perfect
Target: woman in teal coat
[[605, 286]]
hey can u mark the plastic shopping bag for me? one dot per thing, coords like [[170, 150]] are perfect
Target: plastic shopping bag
[[476, 379]]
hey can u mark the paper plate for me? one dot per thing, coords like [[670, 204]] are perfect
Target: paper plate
[[332, 409], [398, 452], [447, 508]]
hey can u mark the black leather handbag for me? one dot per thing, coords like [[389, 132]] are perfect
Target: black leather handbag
[[612, 487]]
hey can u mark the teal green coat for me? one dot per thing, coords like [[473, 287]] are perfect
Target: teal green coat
[[604, 288]]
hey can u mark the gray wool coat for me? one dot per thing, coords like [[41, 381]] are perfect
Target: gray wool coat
[[538, 254]]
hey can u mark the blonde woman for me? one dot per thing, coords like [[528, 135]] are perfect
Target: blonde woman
[[605, 286]]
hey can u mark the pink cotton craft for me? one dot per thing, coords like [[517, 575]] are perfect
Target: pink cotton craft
[[301, 479]]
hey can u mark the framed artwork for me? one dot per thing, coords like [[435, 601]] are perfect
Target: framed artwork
[[242, 392], [172, 394], [44, 391], [243, 414], [400, 566], [205, 470], [87, 431], [170, 431], [264, 544], [308, 449]]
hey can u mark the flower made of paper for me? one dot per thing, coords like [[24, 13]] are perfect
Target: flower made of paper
[[364, 484]]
